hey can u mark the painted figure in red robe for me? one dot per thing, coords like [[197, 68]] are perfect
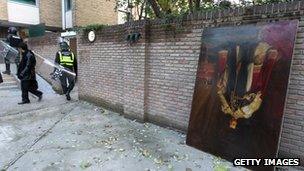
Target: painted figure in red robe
[[242, 84]]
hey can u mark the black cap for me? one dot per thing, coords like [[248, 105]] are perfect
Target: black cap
[[12, 30], [64, 45]]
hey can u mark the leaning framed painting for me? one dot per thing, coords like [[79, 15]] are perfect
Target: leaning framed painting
[[240, 89]]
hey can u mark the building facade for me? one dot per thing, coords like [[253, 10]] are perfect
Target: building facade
[[24, 13], [77, 13], [55, 15]]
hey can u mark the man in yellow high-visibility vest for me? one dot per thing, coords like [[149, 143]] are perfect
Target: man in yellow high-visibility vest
[[66, 58]]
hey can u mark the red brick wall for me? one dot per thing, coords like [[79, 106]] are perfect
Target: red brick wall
[[46, 45], [112, 73], [292, 140]]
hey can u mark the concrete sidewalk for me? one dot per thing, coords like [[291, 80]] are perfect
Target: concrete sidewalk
[[79, 136]]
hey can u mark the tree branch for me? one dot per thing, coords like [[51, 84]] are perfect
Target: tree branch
[[155, 8], [142, 9]]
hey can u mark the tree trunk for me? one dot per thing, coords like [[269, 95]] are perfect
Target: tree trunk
[[190, 5], [197, 4], [155, 8]]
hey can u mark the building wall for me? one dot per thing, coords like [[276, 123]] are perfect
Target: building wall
[[116, 66], [3, 11], [172, 70], [23, 13], [95, 12], [50, 12], [292, 140], [3, 32]]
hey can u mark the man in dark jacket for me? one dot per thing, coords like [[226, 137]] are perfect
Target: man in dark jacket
[[66, 58], [13, 40], [26, 73]]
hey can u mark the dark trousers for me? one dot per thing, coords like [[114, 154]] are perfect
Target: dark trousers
[[7, 65], [29, 86], [67, 83], [1, 80], [8, 62]]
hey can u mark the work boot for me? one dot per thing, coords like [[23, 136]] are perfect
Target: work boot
[[39, 98], [7, 72], [68, 97], [23, 102]]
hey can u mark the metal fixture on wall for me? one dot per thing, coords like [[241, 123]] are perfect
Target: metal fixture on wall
[[133, 37]]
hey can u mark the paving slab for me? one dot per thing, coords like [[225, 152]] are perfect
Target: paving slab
[[19, 132]]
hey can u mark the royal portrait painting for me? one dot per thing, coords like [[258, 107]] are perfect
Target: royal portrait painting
[[240, 90]]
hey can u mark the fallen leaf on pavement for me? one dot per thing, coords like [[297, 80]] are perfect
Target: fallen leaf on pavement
[[158, 161], [170, 167], [145, 153], [85, 165]]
